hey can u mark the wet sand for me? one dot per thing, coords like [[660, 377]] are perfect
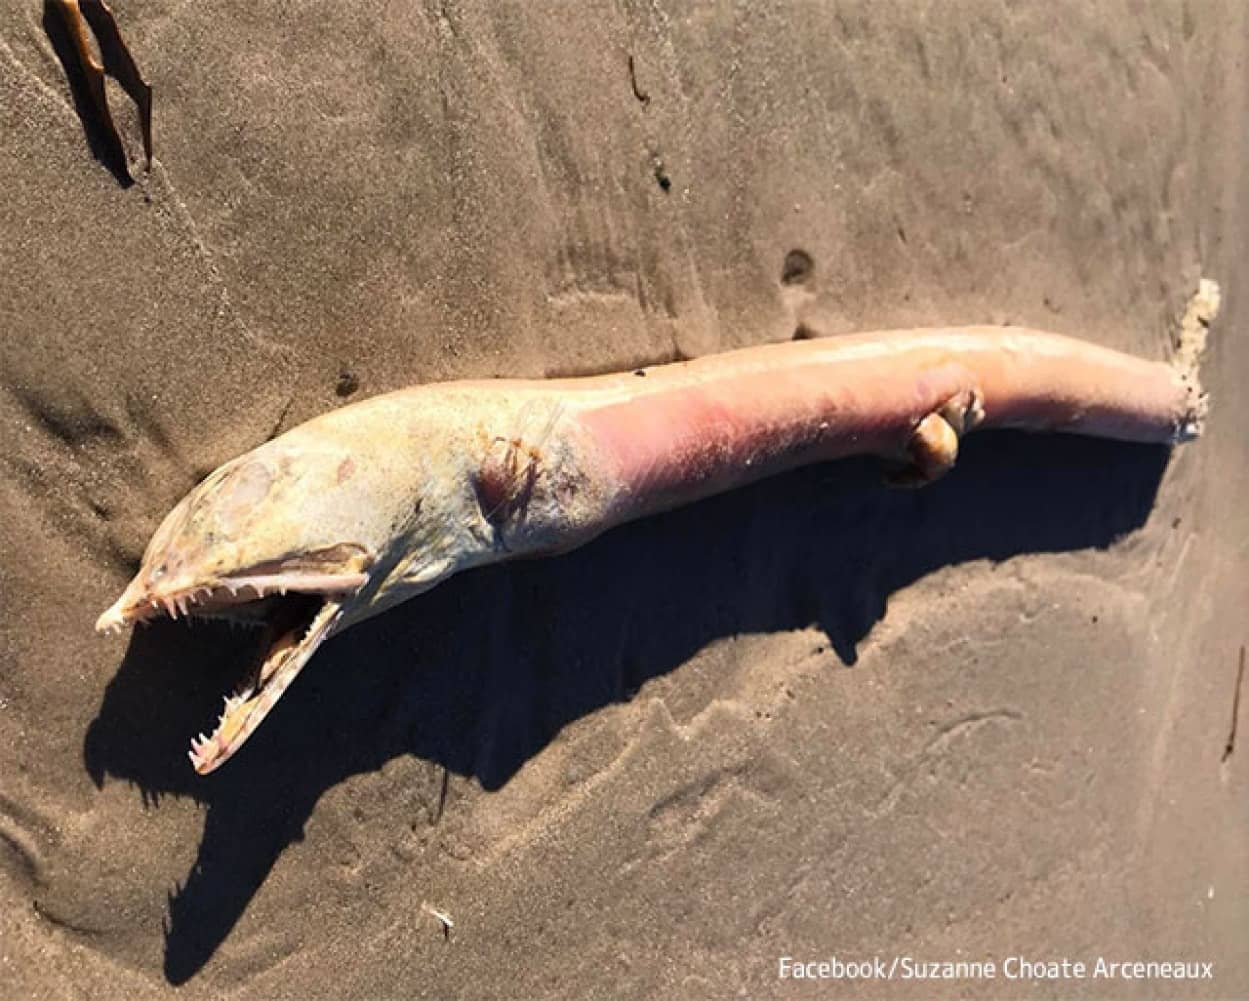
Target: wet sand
[[811, 718]]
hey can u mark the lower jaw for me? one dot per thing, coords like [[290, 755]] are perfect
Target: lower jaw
[[287, 625]]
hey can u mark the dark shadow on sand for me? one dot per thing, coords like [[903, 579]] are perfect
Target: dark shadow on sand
[[482, 672]]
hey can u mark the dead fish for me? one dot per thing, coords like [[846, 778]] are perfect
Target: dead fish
[[372, 504]]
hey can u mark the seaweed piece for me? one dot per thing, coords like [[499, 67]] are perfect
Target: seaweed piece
[[88, 73]]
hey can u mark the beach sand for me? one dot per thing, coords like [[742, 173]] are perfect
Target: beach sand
[[813, 718]]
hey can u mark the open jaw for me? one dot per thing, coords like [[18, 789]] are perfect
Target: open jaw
[[296, 612]]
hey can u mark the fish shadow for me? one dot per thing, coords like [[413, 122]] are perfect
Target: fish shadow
[[480, 674]]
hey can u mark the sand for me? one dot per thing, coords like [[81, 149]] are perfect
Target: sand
[[812, 718]]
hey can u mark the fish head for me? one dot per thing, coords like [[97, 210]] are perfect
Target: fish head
[[277, 538]]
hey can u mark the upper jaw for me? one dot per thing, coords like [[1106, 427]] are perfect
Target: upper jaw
[[143, 600]]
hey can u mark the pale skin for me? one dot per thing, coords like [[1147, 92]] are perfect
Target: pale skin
[[374, 503]]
